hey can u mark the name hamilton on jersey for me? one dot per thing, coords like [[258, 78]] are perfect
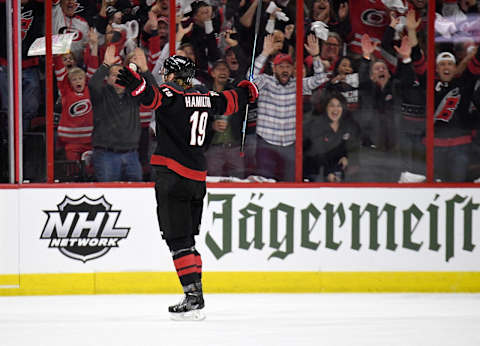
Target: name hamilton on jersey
[[197, 101]]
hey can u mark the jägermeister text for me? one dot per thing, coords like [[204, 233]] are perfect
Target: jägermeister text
[[330, 219]]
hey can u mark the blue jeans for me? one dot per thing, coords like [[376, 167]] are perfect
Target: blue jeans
[[112, 166], [451, 163], [30, 93]]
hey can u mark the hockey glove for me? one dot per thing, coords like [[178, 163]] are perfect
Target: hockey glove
[[132, 81], [252, 90]]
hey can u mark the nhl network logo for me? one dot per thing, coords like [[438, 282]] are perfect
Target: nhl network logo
[[84, 228]]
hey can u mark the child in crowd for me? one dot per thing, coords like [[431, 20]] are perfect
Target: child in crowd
[[76, 122]]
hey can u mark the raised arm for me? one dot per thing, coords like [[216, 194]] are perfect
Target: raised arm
[[96, 83], [412, 24], [368, 47], [247, 19], [319, 76], [60, 73], [405, 69], [268, 49], [242, 58], [91, 53], [474, 64]]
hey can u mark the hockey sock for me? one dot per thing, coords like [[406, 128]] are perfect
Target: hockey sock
[[198, 262], [186, 266]]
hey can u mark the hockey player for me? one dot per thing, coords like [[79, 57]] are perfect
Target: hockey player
[[184, 115]]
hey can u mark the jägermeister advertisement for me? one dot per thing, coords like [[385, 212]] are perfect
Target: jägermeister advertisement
[[343, 229]]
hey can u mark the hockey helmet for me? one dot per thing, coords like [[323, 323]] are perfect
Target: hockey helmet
[[182, 67]]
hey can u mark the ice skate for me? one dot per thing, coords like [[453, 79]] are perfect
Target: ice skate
[[189, 308]]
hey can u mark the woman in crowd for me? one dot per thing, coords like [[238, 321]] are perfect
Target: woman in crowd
[[330, 140], [345, 81]]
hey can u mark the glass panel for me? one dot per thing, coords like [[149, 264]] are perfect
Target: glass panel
[[457, 91], [366, 124], [270, 132], [100, 132], [33, 110], [234, 62], [72, 106], [4, 95]]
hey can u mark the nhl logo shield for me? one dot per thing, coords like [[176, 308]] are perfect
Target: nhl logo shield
[[83, 229]]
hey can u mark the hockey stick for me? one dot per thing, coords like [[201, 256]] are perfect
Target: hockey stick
[[250, 75]]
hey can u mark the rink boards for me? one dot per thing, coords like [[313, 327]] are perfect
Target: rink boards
[[86, 239]]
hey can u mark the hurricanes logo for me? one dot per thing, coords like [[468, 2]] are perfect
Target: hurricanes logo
[[26, 22], [373, 17], [78, 34], [83, 229], [80, 108]]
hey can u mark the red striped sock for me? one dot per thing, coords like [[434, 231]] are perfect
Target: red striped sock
[[198, 262], [186, 266]]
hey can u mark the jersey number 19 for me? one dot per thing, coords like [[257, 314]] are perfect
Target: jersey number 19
[[198, 127]]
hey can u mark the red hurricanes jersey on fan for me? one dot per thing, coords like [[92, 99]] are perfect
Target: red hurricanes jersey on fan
[[76, 24], [76, 120], [367, 17], [370, 17]]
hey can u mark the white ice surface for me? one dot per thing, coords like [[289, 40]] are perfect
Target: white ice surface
[[244, 319]]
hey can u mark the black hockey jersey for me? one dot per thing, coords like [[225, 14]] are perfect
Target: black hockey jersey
[[32, 24], [183, 119], [452, 100]]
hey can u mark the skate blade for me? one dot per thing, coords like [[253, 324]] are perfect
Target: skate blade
[[193, 315]]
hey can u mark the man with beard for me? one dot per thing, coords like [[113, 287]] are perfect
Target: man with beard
[[276, 120]]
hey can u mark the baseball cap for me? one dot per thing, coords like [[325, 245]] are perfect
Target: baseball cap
[[446, 56], [281, 57], [162, 19], [219, 62]]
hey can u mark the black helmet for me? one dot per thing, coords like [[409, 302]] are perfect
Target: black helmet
[[182, 67]]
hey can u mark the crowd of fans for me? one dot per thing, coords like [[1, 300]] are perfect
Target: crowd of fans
[[364, 86]]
